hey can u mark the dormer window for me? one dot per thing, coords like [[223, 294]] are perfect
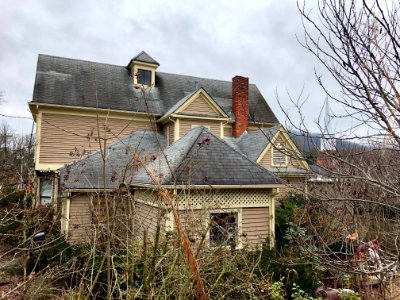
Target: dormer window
[[143, 70], [143, 77]]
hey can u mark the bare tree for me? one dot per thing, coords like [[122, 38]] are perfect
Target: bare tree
[[356, 188]]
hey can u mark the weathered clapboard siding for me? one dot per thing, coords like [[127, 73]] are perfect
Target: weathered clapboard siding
[[185, 125], [80, 219], [62, 136], [227, 131], [171, 133], [168, 131], [194, 222], [255, 225], [200, 106], [146, 218]]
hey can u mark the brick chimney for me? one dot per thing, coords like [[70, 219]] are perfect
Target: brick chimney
[[240, 104]]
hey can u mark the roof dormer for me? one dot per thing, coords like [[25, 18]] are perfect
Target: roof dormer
[[143, 70]]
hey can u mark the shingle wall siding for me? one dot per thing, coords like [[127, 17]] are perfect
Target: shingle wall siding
[[78, 132], [255, 225], [80, 219]]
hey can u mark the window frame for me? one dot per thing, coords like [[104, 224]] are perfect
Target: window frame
[[50, 182], [139, 76], [238, 239]]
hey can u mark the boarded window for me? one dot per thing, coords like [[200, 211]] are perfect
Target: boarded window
[[144, 76], [224, 228], [46, 188], [279, 157]]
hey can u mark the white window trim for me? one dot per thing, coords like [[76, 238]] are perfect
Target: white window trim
[[281, 150], [135, 71], [239, 244]]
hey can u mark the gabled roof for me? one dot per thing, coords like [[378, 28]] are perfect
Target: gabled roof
[[201, 158], [87, 173], [71, 82], [176, 107], [253, 144], [144, 57]]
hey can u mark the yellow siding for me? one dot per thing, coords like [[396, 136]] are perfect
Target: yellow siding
[[65, 136], [227, 131], [266, 160], [201, 106], [168, 131], [292, 160], [186, 125], [80, 219], [255, 225], [171, 133]]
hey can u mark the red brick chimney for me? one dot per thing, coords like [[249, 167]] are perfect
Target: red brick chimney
[[240, 104]]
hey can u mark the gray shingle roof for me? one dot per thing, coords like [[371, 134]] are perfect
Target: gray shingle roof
[[144, 57], [88, 172], [72, 82], [201, 158], [253, 143]]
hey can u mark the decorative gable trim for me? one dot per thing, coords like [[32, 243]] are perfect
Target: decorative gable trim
[[201, 93], [291, 146]]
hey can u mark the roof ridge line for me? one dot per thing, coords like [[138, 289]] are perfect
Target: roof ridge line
[[197, 77], [80, 60]]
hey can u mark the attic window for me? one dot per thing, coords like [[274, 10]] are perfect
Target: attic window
[[279, 157], [144, 76]]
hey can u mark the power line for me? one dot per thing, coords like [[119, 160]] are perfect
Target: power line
[[16, 117]]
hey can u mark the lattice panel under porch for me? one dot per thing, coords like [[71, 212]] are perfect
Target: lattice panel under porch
[[222, 198], [147, 196]]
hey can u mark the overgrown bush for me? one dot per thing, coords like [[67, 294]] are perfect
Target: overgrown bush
[[290, 259]]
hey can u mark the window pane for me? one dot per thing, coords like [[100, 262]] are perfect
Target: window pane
[[45, 191], [144, 77], [223, 228]]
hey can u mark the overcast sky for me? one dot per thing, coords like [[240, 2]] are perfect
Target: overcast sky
[[214, 39]]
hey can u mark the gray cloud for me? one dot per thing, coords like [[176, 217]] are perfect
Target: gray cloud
[[217, 39]]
